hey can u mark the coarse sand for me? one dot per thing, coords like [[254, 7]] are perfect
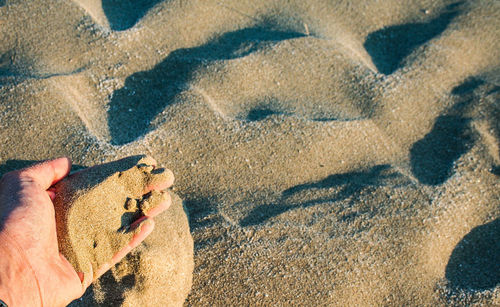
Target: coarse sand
[[95, 208], [327, 152]]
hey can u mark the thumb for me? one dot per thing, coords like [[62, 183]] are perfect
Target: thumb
[[47, 173]]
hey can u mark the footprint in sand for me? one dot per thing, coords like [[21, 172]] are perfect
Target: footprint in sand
[[347, 185], [432, 157], [97, 210]]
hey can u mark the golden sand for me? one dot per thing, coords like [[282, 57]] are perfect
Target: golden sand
[[328, 152], [95, 208]]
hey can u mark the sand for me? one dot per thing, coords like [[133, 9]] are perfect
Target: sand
[[95, 209], [332, 153], [157, 273]]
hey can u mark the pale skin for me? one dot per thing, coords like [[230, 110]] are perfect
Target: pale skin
[[32, 271]]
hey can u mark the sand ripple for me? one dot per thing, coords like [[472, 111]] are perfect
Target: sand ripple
[[329, 152]]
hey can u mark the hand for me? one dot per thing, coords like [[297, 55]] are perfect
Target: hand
[[32, 271]]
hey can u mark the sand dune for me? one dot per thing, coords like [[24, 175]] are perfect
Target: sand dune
[[328, 152]]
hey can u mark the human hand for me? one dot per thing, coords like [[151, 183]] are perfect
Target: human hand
[[32, 271]]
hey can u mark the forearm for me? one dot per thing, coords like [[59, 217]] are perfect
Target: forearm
[[18, 284]]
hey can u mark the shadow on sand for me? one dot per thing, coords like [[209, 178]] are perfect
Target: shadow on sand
[[432, 158], [124, 14], [350, 184], [389, 46], [112, 289], [147, 93], [475, 262]]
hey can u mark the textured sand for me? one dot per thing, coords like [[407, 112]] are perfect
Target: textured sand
[[96, 207], [157, 273], [328, 152]]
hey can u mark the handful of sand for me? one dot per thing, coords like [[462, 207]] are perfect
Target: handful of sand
[[96, 207]]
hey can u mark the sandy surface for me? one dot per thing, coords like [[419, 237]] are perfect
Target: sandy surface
[[96, 207], [328, 152]]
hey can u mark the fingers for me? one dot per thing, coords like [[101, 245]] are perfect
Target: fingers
[[162, 206], [146, 227], [47, 173], [161, 182], [162, 179]]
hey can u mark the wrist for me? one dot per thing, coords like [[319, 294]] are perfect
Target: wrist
[[18, 283]]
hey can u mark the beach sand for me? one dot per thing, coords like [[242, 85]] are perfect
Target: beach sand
[[340, 153], [96, 209]]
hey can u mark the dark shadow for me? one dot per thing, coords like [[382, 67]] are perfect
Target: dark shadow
[[350, 184], [494, 114], [464, 95], [124, 14], [262, 213], [495, 89], [495, 170], [112, 289], [389, 46], [5, 72], [475, 262], [200, 212], [432, 158], [362, 178], [127, 219], [5, 62], [331, 119], [467, 86], [260, 114], [2, 3], [147, 93]]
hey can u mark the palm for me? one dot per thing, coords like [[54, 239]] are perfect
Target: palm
[[27, 215], [27, 224]]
